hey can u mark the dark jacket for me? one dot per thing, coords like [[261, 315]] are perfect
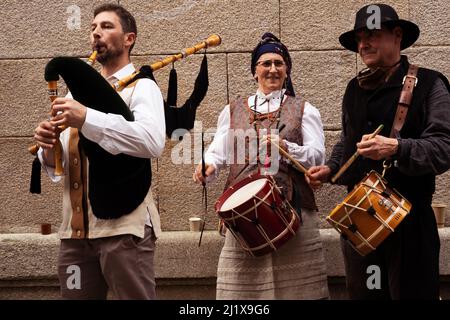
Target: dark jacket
[[424, 143]]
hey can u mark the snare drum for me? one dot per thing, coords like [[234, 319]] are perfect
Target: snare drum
[[369, 214], [257, 214]]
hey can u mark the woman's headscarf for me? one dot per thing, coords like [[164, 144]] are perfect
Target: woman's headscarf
[[271, 44]]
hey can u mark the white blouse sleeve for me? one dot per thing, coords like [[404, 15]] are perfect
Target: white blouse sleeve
[[312, 152], [217, 152]]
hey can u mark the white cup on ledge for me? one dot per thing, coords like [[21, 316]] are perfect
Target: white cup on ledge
[[439, 212], [195, 224]]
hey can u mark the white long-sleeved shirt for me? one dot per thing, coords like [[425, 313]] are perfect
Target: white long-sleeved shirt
[[311, 153], [144, 137]]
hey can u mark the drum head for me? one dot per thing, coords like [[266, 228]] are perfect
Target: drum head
[[243, 194]]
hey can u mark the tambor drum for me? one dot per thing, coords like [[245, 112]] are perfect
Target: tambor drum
[[369, 214], [257, 215]]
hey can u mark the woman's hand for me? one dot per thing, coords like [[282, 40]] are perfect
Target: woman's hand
[[198, 177]]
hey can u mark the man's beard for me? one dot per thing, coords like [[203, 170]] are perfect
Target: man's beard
[[108, 56]]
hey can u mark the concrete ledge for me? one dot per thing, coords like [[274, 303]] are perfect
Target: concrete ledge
[[178, 256]]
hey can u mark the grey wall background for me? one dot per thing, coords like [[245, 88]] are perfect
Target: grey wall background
[[33, 32]]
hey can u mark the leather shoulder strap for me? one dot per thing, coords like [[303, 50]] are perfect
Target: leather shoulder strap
[[409, 83]]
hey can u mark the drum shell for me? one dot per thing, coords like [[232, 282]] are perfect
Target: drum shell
[[390, 209], [264, 222]]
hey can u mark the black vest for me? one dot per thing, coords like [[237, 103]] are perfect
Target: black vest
[[118, 184], [114, 193], [365, 110]]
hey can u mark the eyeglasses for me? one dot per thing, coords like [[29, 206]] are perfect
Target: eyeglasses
[[267, 64], [367, 34]]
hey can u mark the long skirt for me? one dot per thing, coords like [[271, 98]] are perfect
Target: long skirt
[[296, 270]]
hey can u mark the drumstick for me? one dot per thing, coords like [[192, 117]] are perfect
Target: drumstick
[[287, 155], [354, 157], [203, 161], [296, 164]]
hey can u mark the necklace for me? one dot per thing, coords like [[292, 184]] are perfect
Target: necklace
[[265, 120]]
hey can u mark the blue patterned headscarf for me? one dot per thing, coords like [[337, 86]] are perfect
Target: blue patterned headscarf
[[271, 44]]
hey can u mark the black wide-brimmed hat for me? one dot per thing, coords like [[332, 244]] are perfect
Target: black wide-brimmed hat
[[365, 19]]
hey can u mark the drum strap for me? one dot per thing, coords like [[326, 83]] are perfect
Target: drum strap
[[409, 83]]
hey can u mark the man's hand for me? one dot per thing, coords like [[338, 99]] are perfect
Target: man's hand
[[198, 177], [317, 175], [378, 147], [45, 137], [68, 112]]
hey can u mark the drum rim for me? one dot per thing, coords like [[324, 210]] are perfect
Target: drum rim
[[237, 186], [355, 190], [292, 228]]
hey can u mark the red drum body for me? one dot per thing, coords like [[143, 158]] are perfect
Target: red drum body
[[369, 214], [257, 214]]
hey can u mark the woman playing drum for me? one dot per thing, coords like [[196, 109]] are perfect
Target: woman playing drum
[[295, 270]]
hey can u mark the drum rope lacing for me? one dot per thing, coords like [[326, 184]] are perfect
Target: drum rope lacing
[[258, 201], [369, 188]]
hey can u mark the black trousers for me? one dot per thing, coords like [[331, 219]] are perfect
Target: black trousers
[[408, 261]]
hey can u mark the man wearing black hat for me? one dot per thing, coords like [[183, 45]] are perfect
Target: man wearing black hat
[[416, 143]]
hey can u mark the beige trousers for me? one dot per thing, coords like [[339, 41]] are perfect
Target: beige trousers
[[123, 264]]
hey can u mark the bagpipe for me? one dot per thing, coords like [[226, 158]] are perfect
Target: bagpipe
[[110, 174]]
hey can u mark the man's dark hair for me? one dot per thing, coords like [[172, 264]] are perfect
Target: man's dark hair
[[127, 20]]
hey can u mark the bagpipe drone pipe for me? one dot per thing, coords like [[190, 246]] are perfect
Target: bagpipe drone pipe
[[115, 177]]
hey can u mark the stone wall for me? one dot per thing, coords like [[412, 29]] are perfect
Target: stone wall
[[33, 32]]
